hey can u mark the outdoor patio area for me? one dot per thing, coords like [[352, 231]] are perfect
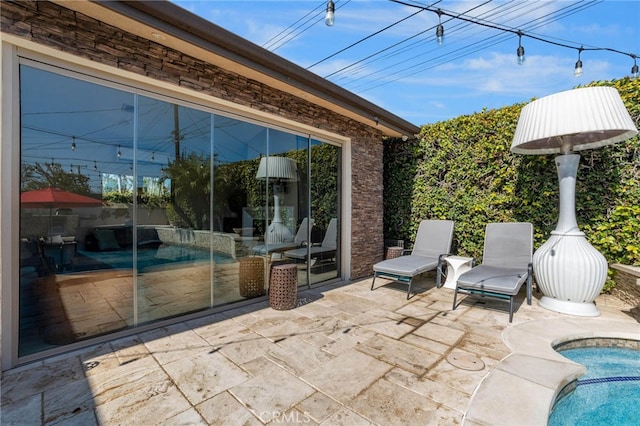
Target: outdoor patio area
[[344, 356]]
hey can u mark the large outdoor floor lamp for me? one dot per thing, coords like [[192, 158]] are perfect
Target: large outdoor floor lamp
[[569, 271], [277, 170]]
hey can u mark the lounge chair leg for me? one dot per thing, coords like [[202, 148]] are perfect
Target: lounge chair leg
[[409, 290], [511, 309], [373, 282], [455, 296], [529, 284]]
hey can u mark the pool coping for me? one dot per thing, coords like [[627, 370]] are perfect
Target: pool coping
[[522, 387]]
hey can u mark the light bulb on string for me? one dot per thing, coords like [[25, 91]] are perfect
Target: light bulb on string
[[520, 51], [577, 72], [329, 18], [439, 29]]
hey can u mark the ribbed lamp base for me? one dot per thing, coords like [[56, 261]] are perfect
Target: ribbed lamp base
[[571, 308], [278, 233], [570, 273]]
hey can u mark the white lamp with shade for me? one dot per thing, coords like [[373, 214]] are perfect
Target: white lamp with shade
[[569, 271], [277, 170]]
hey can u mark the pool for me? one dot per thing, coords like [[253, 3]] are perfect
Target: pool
[[609, 392], [165, 254]]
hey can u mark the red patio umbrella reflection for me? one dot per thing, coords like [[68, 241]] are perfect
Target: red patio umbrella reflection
[[55, 197]]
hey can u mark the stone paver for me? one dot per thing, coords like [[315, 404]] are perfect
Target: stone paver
[[346, 356]]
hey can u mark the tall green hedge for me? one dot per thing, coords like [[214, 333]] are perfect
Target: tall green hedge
[[462, 169]]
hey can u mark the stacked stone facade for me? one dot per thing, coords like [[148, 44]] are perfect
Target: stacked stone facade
[[57, 27], [627, 280]]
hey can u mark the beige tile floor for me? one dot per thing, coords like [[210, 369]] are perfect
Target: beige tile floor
[[345, 356]]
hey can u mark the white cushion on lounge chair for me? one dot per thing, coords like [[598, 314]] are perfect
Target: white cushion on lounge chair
[[506, 264], [433, 242], [494, 279], [408, 266]]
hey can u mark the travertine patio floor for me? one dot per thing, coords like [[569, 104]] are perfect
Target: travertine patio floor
[[345, 356]]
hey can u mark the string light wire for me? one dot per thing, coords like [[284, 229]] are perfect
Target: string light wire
[[511, 30], [565, 11]]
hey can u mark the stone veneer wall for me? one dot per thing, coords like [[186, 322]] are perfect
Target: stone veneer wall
[[63, 29], [221, 242], [627, 280]]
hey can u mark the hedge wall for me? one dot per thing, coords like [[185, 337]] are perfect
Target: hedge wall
[[462, 169]]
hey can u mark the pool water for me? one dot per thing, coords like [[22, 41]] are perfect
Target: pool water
[[609, 392], [163, 255]]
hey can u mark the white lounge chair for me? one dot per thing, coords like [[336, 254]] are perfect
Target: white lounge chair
[[298, 241], [432, 245], [326, 250], [506, 264]]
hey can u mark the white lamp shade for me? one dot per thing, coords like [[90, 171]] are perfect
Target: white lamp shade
[[280, 168], [579, 119]]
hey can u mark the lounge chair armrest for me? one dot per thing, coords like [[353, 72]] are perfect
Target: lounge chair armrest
[[406, 252]]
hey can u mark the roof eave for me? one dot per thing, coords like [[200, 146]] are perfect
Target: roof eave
[[176, 22]]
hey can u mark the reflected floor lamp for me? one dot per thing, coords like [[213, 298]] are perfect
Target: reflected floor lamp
[[569, 271], [277, 170]]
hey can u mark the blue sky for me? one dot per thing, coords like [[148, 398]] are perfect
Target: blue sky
[[404, 70]]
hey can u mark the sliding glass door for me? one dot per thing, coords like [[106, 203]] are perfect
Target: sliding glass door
[[136, 208], [173, 163], [324, 183]]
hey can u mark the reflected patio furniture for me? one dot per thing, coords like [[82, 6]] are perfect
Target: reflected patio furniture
[[433, 243], [61, 251], [506, 264], [326, 250], [298, 241], [31, 256], [251, 276]]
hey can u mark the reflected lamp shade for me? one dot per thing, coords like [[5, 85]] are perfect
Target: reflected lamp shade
[[569, 271], [573, 120], [277, 168]]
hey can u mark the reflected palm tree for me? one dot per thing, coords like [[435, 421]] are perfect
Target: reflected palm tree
[[190, 178]]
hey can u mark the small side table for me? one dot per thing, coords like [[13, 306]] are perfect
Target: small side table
[[393, 252], [456, 266], [251, 276], [283, 287]]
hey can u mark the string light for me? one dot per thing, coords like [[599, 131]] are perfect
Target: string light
[[520, 51], [577, 72], [578, 67], [329, 18], [73, 144], [439, 29], [119, 154]]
